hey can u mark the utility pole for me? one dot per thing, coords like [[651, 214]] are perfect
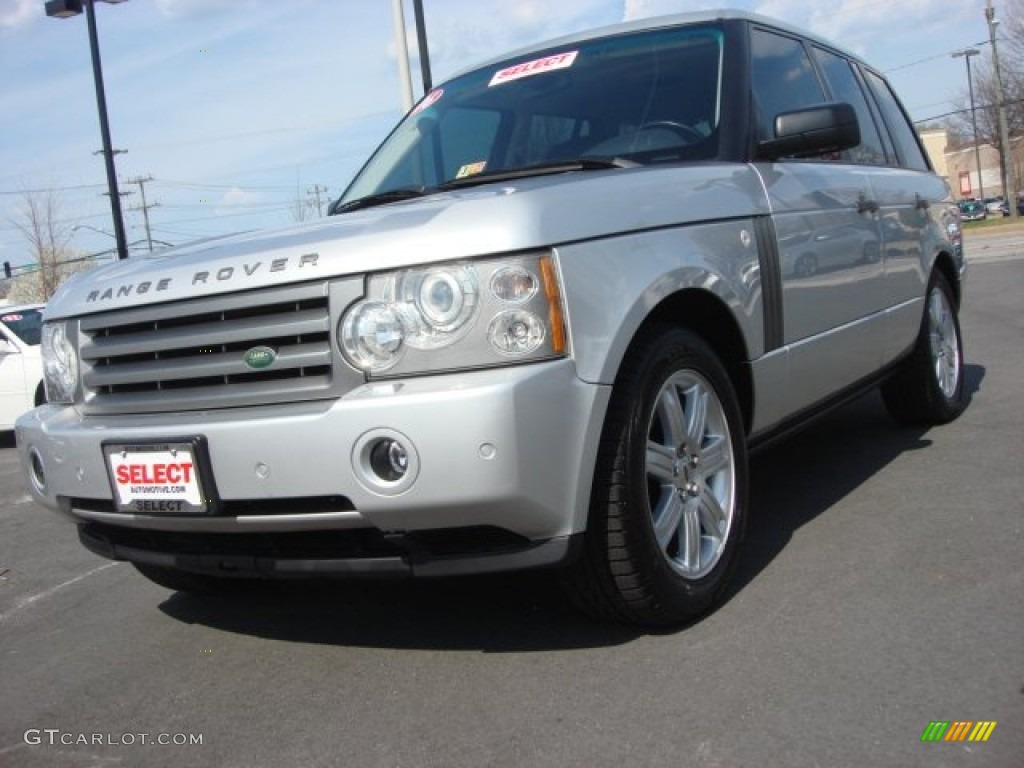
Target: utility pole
[[144, 207], [119, 235], [1006, 151], [316, 201]]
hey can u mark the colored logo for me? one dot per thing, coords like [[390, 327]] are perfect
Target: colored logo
[[259, 358], [958, 730]]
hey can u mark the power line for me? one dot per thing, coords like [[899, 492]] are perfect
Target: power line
[[197, 185], [936, 57], [49, 189]]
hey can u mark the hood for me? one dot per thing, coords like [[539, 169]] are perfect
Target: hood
[[484, 220]]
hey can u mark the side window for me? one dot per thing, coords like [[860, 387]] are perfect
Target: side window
[[844, 86], [783, 78], [907, 146]]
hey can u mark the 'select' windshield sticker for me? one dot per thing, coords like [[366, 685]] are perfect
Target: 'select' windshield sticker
[[16, 318], [535, 67], [429, 100], [471, 169]]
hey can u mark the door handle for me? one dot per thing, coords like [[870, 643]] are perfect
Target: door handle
[[866, 206], [922, 203]]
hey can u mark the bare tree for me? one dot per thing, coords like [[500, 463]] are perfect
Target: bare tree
[[986, 92], [49, 238]]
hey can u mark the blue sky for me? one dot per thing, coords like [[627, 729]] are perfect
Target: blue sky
[[237, 108]]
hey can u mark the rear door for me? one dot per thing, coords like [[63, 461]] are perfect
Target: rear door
[[911, 199]]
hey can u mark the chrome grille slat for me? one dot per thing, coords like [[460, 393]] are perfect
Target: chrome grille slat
[[190, 355], [213, 397], [206, 335], [228, 303], [223, 364]]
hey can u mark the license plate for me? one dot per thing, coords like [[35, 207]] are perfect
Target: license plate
[[156, 478]]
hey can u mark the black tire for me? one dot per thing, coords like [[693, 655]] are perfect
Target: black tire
[[928, 389], [653, 469], [192, 583]]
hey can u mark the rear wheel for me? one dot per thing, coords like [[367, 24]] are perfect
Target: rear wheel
[[669, 497], [929, 389]]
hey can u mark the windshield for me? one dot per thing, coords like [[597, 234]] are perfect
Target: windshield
[[26, 324], [646, 97]]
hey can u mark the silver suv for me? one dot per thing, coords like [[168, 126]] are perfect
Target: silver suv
[[543, 327]]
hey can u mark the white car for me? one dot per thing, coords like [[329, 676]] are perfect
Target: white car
[[21, 367]]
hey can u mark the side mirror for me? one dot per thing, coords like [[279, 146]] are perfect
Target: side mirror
[[6, 348], [812, 131]]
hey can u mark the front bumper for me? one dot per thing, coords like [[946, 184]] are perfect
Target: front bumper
[[506, 450]]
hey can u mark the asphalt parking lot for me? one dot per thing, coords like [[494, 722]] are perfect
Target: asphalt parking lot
[[881, 589]]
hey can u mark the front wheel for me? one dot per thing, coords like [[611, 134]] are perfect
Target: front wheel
[[670, 488], [929, 388]]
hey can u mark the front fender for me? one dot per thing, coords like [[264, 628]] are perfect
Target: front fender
[[613, 285]]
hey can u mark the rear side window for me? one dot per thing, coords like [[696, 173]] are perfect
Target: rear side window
[[842, 81], [903, 136], [783, 79]]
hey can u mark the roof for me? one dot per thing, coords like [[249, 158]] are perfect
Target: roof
[[655, 22]]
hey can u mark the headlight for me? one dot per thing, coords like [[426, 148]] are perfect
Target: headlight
[[60, 364], [460, 315]]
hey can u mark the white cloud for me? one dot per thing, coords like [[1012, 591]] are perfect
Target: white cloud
[[856, 23], [187, 8], [643, 9], [14, 13], [237, 196]]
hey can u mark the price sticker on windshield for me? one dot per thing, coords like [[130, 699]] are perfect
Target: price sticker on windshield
[[535, 67]]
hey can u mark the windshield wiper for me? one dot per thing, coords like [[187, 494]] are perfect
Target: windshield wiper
[[381, 198], [505, 174], [540, 169]]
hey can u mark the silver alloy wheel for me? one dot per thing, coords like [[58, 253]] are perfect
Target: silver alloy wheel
[[944, 343], [691, 477]]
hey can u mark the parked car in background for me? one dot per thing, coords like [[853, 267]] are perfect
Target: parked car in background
[[21, 368], [973, 210], [996, 206]]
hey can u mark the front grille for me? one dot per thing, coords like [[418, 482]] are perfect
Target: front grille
[[192, 355]]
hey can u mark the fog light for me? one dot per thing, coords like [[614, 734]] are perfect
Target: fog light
[[389, 460], [385, 461], [37, 471]]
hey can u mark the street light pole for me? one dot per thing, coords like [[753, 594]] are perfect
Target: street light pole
[[967, 53], [1006, 155], [65, 9], [421, 41]]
